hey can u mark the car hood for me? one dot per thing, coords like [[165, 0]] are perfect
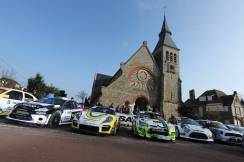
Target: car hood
[[37, 105], [95, 117], [197, 128], [154, 123], [228, 131]]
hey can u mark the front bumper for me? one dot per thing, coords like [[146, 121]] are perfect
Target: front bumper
[[197, 136], [153, 134], [106, 128], [35, 119], [229, 139], [197, 139]]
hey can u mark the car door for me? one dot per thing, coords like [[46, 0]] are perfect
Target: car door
[[14, 97], [67, 112]]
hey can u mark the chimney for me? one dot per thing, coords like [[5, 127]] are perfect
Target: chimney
[[192, 94]]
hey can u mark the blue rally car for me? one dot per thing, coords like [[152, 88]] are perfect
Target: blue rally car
[[50, 112]]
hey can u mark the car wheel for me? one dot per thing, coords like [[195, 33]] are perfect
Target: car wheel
[[54, 120], [177, 133], [115, 129], [134, 131]]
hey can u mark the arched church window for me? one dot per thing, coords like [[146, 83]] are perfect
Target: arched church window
[[167, 55], [171, 57], [175, 58]]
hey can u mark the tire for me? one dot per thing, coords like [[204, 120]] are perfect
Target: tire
[[134, 131], [177, 133], [54, 120], [115, 129]]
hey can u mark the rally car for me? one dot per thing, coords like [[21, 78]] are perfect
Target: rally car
[[190, 129], [101, 120], [49, 112], [152, 125], [221, 132], [10, 97]]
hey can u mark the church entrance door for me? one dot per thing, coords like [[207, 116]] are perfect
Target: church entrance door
[[141, 103]]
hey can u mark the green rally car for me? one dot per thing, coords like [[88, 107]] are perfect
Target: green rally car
[[152, 125]]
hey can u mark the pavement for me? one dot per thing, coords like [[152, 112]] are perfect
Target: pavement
[[23, 144]]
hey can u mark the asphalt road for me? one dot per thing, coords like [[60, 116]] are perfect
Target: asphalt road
[[22, 143]]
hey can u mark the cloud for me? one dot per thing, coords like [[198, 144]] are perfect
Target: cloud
[[149, 5]]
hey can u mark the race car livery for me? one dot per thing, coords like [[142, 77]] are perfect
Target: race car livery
[[51, 112], [100, 120], [10, 97], [152, 125], [222, 133], [190, 129]]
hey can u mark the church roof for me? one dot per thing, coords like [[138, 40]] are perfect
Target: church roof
[[165, 37], [101, 80]]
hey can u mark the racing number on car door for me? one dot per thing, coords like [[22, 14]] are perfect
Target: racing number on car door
[[67, 111]]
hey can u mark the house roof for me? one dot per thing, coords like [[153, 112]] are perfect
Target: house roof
[[213, 92], [12, 81], [227, 100]]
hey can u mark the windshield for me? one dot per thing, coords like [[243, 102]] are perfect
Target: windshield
[[54, 101], [102, 110], [217, 125], [240, 129], [189, 121], [149, 115]]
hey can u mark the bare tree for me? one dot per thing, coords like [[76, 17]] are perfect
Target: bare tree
[[82, 95], [8, 73]]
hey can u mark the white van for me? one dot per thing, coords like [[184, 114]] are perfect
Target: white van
[[10, 97]]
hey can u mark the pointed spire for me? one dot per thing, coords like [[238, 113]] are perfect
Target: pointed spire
[[165, 28], [165, 36]]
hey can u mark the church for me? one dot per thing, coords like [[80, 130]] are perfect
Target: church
[[145, 79]]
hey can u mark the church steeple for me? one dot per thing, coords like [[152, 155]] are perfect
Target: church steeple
[[165, 37]]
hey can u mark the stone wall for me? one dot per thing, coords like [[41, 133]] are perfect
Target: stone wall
[[139, 78]]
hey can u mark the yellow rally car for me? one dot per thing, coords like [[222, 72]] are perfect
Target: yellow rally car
[[99, 120]]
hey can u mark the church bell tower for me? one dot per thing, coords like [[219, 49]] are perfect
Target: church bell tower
[[166, 54]]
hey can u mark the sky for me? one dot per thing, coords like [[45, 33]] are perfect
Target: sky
[[68, 41]]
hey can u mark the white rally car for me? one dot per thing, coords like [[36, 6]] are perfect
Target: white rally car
[[222, 133], [100, 120], [190, 129], [10, 97], [47, 111]]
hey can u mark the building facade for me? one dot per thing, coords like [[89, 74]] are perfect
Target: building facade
[[145, 79], [216, 105]]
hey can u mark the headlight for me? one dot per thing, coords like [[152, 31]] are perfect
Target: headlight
[[142, 124], [209, 134], [220, 132], [108, 119], [78, 115], [186, 129]]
